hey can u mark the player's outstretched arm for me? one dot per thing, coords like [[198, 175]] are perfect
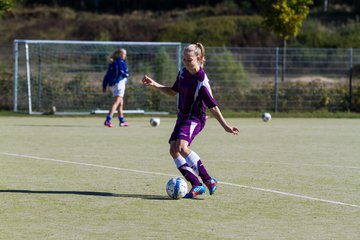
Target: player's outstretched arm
[[151, 82], [217, 114]]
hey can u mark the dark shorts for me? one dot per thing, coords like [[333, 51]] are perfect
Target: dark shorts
[[187, 129]]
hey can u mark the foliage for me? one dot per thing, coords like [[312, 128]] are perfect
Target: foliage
[[208, 24], [315, 35], [165, 72], [292, 96], [121, 6], [6, 85], [298, 96], [103, 36], [226, 71], [125, 6], [198, 24], [164, 66], [219, 31], [6, 6], [212, 31], [284, 17]]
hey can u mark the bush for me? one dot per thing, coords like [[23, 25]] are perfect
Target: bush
[[226, 71], [355, 103], [312, 96], [81, 95], [220, 31], [315, 35], [6, 88]]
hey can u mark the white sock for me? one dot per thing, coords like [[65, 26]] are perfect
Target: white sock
[[179, 161], [192, 160]]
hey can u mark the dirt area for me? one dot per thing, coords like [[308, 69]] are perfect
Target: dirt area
[[307, 79]]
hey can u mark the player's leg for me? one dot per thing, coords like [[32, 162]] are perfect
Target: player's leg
[[193, 160], [182, 166], [182, 148], [188, 173], [120, 107], [189, 131], [122, 121], [121, 92], [112, 111]]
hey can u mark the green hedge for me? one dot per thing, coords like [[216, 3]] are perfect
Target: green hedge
[[313, 96], [79, 94]]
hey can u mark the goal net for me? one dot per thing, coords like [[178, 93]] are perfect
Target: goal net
[[69, 74]]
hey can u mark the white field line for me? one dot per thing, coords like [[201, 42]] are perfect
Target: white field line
[[164, 174], [292, 195], [294, 164], [84, 164]]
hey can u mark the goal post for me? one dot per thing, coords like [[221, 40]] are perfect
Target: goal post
[[69, 74]]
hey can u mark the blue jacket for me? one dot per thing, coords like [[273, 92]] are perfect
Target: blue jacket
[[116, 72]]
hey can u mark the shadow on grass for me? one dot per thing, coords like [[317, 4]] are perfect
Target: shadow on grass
[[85, 193]]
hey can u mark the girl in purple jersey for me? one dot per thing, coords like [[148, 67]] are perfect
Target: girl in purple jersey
[[194, 95]]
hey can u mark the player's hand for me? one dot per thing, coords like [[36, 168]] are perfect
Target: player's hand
[[232, 130], [235, 131], [147, 80]]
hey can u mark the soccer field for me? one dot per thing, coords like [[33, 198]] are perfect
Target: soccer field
[[73, 178]]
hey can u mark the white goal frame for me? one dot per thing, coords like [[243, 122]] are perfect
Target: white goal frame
[[27, 43]]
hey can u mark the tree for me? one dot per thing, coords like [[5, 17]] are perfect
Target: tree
[[284, 18], [228, 71], [6, 6]]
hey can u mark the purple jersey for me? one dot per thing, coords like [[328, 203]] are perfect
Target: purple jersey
[[194, 94]]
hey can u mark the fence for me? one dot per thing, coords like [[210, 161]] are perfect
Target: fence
[[312, 79], [68, 75]]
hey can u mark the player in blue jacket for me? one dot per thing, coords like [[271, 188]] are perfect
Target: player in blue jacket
[[194, 96], [116, 77]]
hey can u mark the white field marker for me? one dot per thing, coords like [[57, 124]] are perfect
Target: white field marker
[[164, 174], [293, 164]]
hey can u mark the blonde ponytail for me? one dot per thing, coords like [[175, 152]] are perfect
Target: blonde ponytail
[[116, 54], [202, 53]]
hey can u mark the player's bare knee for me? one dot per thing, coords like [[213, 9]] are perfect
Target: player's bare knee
[[182, 149], [173, 150]]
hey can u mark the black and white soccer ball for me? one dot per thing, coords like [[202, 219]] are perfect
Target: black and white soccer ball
[[154, 121], [176, 188], [266, 117]]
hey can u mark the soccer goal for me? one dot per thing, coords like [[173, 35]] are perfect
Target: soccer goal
[[68, 75]]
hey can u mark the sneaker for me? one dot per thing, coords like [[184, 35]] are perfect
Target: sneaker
[[124, 124], [108, 124], [211, 185], [195, 191]]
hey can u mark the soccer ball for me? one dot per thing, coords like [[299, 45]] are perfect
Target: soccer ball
[[266, 117], [154, 121], [53, 110], [176, 188]]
